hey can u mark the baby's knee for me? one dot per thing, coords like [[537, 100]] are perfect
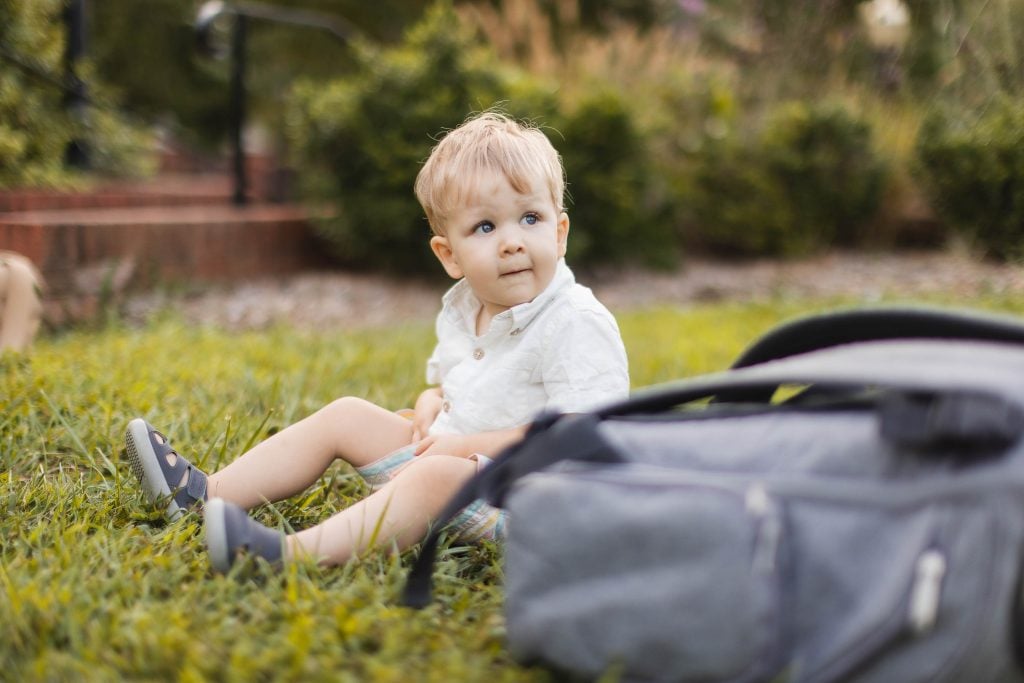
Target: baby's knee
[[347, 406]]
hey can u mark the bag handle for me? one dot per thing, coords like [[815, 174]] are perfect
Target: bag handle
[[823, 330]]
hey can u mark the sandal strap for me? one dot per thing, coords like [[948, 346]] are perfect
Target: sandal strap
[[162, 448], [194, 490]]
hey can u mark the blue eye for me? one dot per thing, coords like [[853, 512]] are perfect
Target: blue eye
[[484, 227], [531, 219]]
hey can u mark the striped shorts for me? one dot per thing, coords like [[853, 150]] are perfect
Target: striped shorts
[[476, 522]]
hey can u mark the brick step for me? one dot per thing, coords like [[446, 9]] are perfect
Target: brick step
[[164, 190], [83, 249]]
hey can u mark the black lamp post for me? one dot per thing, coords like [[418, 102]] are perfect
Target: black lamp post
[[237, 107], [75, 97]]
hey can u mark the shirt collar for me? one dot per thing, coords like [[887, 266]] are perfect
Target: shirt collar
[[462, 306]]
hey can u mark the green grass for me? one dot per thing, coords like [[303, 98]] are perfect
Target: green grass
[[95, 586]]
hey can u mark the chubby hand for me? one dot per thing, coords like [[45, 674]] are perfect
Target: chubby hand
[[428, 405], [445, 444]]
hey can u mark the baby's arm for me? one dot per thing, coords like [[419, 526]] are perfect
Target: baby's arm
[[465, 445], [428, 405]]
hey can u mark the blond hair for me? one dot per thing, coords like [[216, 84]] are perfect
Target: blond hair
[[489, 142]]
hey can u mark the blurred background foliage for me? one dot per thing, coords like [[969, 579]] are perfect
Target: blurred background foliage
[[729, 127], [35, 125]]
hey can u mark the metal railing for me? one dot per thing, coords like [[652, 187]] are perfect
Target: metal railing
[[209, 21]]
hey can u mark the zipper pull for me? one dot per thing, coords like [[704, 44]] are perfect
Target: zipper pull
[[927, 591], [760, 505]]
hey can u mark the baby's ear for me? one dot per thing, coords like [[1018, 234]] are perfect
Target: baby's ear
[[442, 249], [562, 233]]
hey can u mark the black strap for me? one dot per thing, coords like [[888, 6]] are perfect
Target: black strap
[[551, 438], [970, 424]]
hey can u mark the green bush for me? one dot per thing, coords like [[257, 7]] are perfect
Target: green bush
[[610, 205], [360, 141], [972, 166], [807, 179], [33, 128]]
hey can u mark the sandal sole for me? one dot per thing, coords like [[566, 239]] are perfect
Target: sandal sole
[[216, 531], [146, 467]]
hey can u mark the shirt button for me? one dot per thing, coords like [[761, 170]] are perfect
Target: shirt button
[[478, 353], [446, 406], [515, 332]]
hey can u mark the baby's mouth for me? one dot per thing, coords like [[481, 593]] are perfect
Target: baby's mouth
[[517, 271]]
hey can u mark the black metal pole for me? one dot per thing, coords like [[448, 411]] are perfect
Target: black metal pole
[[75, 100], [238, 106]]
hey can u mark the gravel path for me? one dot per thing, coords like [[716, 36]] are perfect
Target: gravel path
[[318, 300]]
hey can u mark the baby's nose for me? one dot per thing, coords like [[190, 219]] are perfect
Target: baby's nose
[[512, 241]]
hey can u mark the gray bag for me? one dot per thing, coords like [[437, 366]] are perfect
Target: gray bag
[[869, 527]]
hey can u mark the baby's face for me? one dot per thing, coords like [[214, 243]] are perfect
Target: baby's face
[[504, 243]]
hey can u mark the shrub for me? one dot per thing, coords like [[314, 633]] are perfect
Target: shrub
[[825, 159], [607, 166], [361, 140], [33, 128], [972, 166], [808, 179]]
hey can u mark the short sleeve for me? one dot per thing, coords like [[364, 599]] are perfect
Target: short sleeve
[[584, 363]]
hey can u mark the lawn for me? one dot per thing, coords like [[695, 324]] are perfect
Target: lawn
[[95, 586]]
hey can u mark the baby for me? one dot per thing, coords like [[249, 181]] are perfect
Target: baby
[[515, 335]]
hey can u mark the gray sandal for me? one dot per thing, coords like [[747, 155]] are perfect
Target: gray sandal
[[230, 531], [148, 452]]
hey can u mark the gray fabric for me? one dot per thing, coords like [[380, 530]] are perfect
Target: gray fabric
[[793, 545]]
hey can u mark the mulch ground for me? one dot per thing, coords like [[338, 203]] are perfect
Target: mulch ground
[[318, 300]]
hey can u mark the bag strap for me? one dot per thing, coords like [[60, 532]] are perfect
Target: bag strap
[[551, 438]]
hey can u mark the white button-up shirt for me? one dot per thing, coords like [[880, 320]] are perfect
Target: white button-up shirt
[[561, 351]]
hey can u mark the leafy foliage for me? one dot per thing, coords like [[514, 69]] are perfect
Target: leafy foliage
[[972, 165], [34, 130], [808, 179], [362, 140], [607, 166], [35, 126]]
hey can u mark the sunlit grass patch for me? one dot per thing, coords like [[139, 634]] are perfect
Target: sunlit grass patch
[[94, 585]]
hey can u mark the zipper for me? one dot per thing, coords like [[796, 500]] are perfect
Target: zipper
[[769, 528], [926, 593]]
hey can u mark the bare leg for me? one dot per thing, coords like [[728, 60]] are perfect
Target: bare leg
[[20, 309], [401, 511], [290, 461]]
